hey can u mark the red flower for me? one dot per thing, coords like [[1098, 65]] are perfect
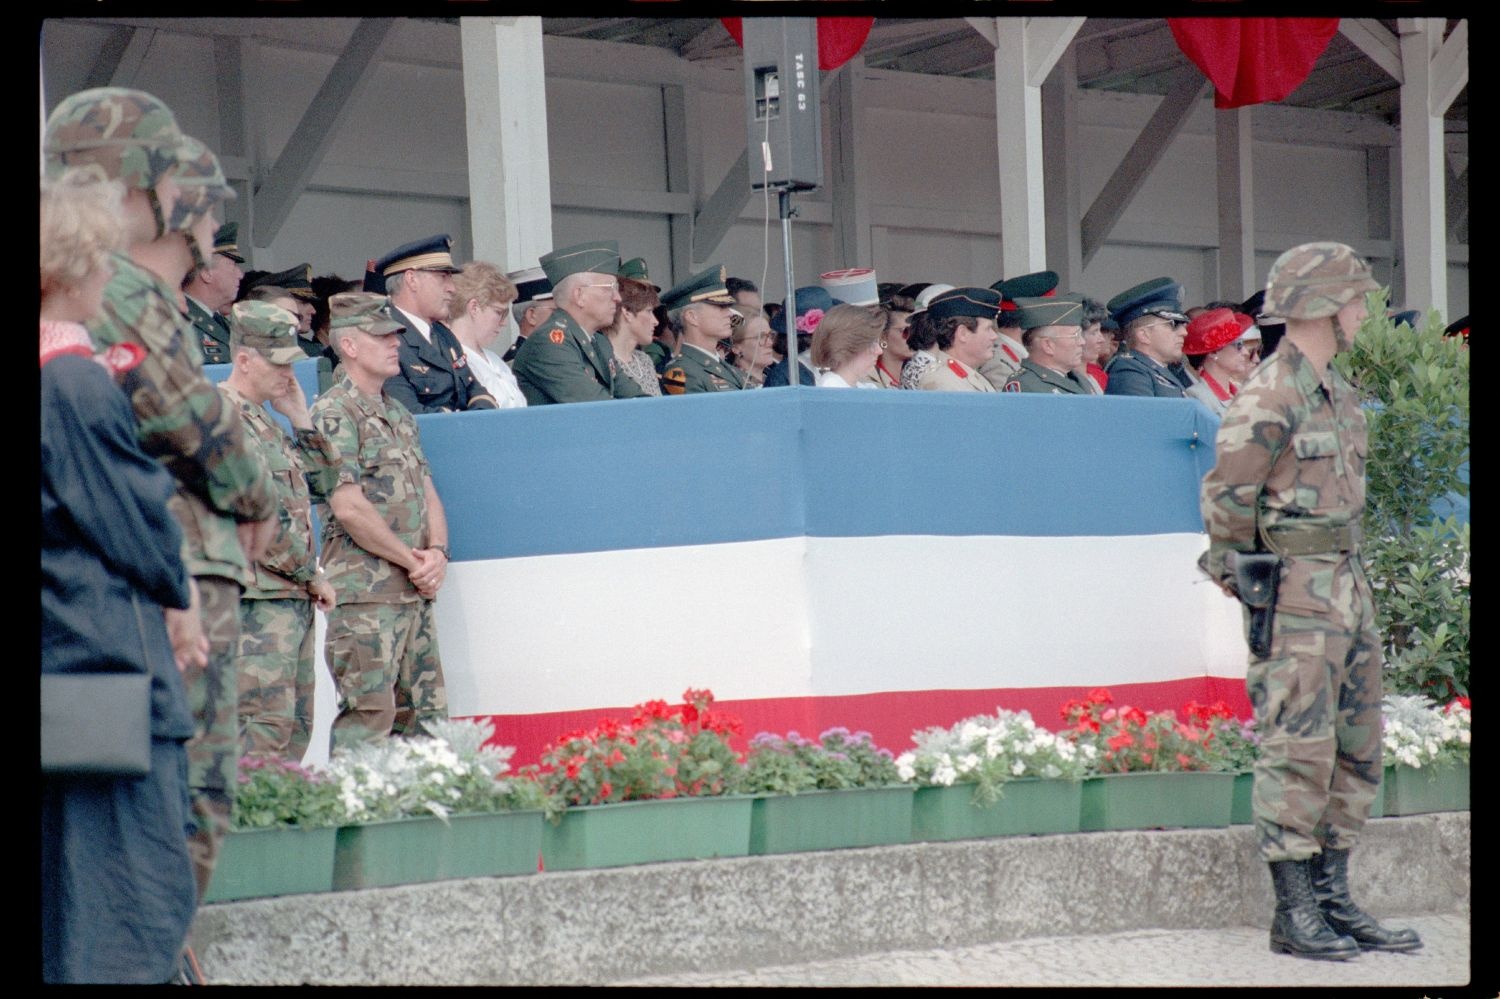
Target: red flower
[[1119, 742], [1185, 762], [1100, 695], [574, 767], [1458, 702], [1133, 716], [605, 788]]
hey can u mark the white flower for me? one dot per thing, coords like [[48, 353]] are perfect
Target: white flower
[[1018, 768], [944, 773], [967, 763]]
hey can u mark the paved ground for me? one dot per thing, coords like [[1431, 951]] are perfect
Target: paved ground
[[1230, 957]]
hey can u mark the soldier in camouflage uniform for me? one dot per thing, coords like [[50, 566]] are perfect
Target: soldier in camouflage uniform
[[385, 546], [224, 500], [1290, 479], [275, 664]]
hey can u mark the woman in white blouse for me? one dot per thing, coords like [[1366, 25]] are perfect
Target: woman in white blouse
[[846, 345], [478, 311]]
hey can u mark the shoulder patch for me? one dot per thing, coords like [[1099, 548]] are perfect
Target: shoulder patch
[[674, 381], [1012, 386], [958, 369], [330, 422], [122, 357], [556, 336]]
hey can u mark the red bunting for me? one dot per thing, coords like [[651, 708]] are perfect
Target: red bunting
[[839, 38], [1252, 60]]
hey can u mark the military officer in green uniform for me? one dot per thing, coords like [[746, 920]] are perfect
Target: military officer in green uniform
[[1290, 480], [566, 359], [224, 499], [385, 543], [703, 309], [209, 290], [1053, 339], [275, 662]]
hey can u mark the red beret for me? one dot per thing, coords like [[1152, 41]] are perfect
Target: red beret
[[1208, 331]]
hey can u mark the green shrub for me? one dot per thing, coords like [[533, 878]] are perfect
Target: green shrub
[[1417, 385]]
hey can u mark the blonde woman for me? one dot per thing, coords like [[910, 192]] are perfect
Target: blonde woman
[[846, 345], [478, 310]]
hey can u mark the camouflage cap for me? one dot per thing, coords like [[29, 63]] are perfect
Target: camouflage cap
[[1316, 280], [361, 310], [120, 134], [202, 181], [267, 329]]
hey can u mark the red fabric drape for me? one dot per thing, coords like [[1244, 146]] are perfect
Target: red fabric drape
[[1252, 60], [839, 38]]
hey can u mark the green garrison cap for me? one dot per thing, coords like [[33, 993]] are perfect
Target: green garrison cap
[[705, 286], [362, 310], [597, 257], [120, 134], [635, 269], [265, 328], [1055, 310], [227, 241]]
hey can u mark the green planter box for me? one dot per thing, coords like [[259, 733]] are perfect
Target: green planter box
[[830, 820], [1157, 800], [1414, 790], [281, 860], [1241, 813], [645, 832], [408, 851], [1029, 807]]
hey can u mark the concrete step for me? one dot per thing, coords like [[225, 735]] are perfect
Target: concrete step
[[627, 924]]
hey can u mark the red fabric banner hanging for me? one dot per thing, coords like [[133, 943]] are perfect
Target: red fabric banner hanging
[[1252, 60], [839, 38]]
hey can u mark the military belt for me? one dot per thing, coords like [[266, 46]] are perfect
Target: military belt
[[1294, 540]]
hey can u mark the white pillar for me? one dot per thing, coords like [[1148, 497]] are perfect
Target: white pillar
[[1064, 206], [851, 210], [1424, 244], [1236, 206], [1018, 135], [505, 111]]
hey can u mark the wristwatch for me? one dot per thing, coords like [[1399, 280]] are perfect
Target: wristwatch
[[444, 549]]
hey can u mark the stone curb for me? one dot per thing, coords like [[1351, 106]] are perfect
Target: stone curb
[[598, 927]]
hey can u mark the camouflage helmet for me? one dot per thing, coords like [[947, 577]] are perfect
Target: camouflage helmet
[[119, 134], [201, 182], [1315, 280]]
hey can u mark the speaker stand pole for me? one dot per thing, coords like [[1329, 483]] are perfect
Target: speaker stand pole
[[794, 367]]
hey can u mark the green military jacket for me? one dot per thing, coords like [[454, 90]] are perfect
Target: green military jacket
[[1291, 455], [695, 370], [182, 420], [212, 330], [303, 470], [561, 362], [1033, 377], [379, 451]]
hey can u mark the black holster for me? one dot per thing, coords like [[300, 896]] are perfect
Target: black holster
[[1256, 576]]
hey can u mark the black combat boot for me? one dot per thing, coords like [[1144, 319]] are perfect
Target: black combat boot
[[1298, 927], [1330, 885]]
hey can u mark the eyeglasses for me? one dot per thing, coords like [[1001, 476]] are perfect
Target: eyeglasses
[[611, 285]]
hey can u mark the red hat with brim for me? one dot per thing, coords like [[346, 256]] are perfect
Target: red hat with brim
[[1211, 330]]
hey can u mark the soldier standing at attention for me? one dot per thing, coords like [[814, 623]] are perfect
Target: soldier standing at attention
[[209, 290], [703, 309], [1290, 480], [275, 662], [224, 500], [385, 545]]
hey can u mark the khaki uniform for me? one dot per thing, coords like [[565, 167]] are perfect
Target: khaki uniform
[[381, 643], [1005, 362], [1291, 454], [276, 679], [948, 375]]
